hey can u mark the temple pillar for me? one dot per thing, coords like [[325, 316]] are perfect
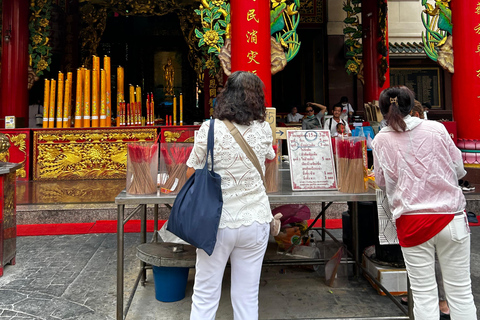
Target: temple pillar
[[14, 91], [250, 28], [466, 79], [373, 85]]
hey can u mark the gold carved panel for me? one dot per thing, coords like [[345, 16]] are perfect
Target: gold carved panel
[[84, 154]]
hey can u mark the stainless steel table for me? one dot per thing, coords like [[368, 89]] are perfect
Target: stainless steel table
[[284, 195]]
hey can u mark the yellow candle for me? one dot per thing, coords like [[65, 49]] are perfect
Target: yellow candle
[[60, 101], [103, 99], [120, 88], [78, 100], [131, 90], [66, 100], [174, 110], [86, 95], [139, 104], [94, 98], [181, 109], [46, 103], [68, 115], [108, 91], [51, 112], [60, 76]]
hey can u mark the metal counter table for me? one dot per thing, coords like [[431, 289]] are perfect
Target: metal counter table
[[284, 195]]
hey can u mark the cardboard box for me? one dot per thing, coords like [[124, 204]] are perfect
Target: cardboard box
[[393, 279]]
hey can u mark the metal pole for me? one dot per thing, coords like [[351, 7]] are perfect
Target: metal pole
[[143, 239], [356, 251], [324, 218], [155, 222], [120, 253]]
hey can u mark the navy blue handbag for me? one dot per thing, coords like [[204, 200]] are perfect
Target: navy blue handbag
[[197, 208]]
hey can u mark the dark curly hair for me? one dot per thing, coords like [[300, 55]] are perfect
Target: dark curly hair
[[242, 100], [395, 104]]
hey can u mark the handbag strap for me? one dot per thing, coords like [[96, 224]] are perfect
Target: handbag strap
[[210, 143], [246, 148]]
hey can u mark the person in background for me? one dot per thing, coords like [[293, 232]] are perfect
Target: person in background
[[244, 226], [293, 116], [313, 121], [417, 110], [331, 124], [419, 166], [347, 110], [426, 108]]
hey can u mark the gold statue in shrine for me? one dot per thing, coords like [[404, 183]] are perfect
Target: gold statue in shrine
[[169, 77]]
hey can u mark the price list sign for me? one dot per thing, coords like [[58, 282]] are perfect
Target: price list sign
[[312, 165]]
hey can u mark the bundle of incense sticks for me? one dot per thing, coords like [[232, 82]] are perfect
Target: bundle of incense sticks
[[142, 161], [352, 177], [175, 159], [271, 172]]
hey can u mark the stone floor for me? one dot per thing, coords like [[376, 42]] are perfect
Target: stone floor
[[74, 277]]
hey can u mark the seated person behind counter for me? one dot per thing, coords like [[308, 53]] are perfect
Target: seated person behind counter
[[331, 124], [313, 121], [340, 130], [294, 116]]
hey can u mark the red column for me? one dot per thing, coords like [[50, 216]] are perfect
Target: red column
[[466, 79], [14, 92], [250, 21], [371, 56]]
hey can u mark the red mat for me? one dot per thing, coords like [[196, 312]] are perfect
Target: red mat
[[110, 226]]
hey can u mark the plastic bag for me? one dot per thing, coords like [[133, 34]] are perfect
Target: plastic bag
[[331, 268], [167, 236]]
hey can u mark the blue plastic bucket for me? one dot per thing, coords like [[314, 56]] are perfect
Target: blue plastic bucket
[[170, 283]]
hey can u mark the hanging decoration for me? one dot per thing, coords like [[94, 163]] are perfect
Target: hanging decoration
[[215, 20], [39, 48], [353, 35], [436, 39], [214, 37], [382, 45]]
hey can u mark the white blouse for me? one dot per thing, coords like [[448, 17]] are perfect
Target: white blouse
[[244, 197]]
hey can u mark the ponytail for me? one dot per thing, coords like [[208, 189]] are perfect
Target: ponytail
[[395, 118], [395, 104]]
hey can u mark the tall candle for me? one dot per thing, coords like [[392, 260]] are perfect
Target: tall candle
[[68, 123], [181, 109], [51, 112], [95, 97], [131, 90], [78, 100], [86, 95], [66, 100], [103, 99], [120, 88], [59, 122], [139, 104], [46, 103], [174, 110], [108, 91], [152, 108]]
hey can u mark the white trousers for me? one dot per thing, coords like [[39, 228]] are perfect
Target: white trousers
[[246, 248], [453, 248]]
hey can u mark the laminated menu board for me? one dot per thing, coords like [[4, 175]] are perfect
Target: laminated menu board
[[312, 165]]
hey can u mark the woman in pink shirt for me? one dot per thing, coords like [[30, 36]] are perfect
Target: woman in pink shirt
[[418, 165]]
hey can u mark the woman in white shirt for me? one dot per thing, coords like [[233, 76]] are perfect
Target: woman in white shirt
[[245, 222]]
